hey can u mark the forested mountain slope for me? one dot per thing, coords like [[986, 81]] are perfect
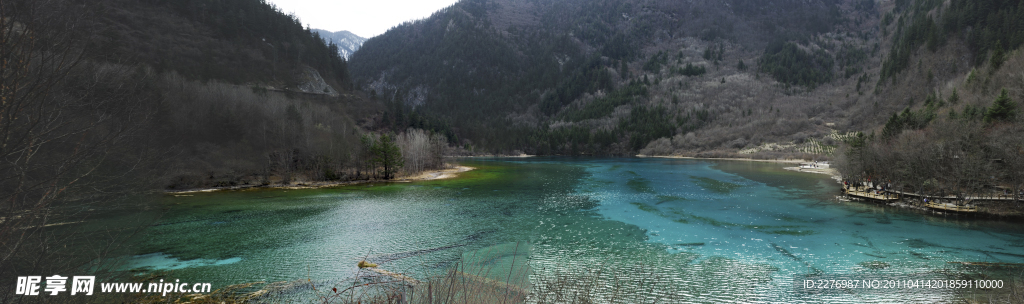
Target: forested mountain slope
[[675, 77], [205, 93], [944, 118], [240, 41], [246, 94]]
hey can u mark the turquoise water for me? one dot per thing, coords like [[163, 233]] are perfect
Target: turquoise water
[[618, 230]]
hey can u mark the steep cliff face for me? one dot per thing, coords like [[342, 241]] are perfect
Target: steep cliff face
[[310, 82]]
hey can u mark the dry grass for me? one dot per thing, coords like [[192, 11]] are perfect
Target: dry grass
[[1014, 284]]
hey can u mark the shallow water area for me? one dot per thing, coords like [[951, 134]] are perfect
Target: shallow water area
[[682, 231]]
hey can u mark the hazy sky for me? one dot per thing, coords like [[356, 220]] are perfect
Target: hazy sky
[[366, 18]]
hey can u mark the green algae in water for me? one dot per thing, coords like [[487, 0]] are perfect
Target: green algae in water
[[233, 226], [669, 198], [715, 185], [791, 219], [645, 207], [724, 224], [784, 252], [681, 220], [580, 202], [640, 184], [873, 255], [714, 222], [598, 184], [681, 217], [919, 243], [791, 232], [684, 218], [884, 220], [654, 210]]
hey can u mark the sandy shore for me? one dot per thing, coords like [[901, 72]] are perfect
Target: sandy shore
[[494, 156], [830, 171], [422, 176], [436, 174]]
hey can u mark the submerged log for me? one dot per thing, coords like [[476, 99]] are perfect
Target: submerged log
[[493, 283], [394, 275]]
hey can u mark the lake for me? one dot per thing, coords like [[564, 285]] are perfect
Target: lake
[[619, 230]]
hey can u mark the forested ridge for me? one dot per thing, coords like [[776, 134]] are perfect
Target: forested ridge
[[239, 92], [561, 77], [105, 103], [238, 41], [622, 77]]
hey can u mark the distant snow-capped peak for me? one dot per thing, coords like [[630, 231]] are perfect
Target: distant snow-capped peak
[[348, 43]]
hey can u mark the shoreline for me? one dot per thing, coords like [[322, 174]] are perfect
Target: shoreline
[[828, 171], [420, 176], [991, 210], [784, 161], [523, 155]]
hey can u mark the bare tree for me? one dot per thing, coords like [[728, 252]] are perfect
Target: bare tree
[[415, 145], [1008, 146], [64, 125], [422, 150]]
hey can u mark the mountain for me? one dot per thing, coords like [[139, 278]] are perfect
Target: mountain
[[348, 43], [247, 97], [249, 42], [700, 77], [580, 76]]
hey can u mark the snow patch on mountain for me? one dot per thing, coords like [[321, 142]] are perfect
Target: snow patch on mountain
[[348, 43]]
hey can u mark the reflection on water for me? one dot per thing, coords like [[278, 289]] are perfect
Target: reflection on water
[[618, 230]]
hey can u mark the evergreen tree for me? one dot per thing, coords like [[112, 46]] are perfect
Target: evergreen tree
[[386, 153], [998, 56], [1003, 109], [789, 64], [623, 69], [383, 152], [893, 127]]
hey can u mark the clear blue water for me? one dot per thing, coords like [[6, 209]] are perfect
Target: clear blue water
[[620, 230]]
